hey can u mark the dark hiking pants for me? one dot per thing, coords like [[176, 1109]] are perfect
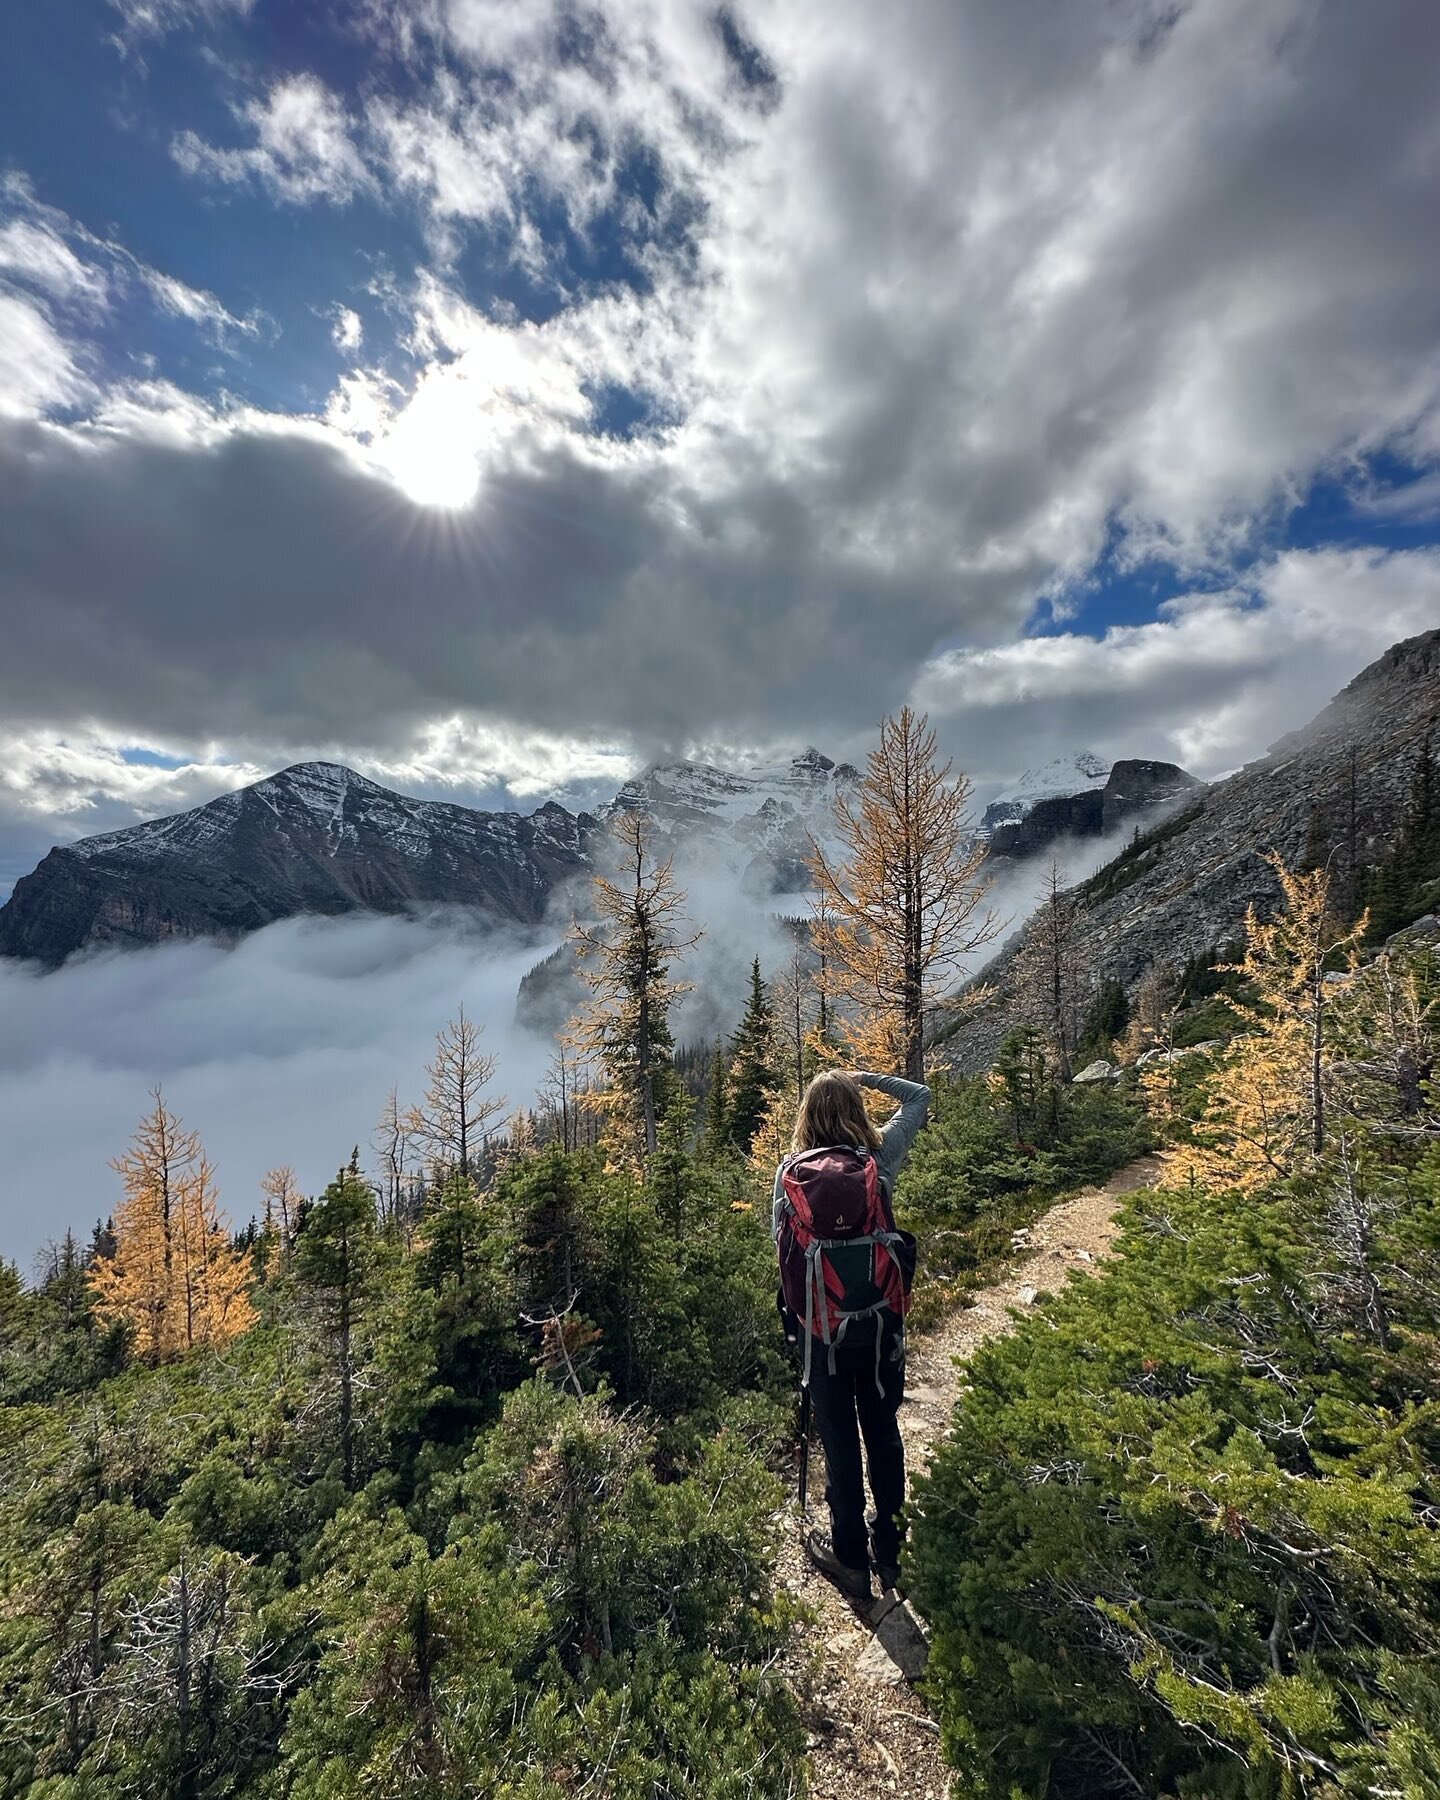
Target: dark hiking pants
[[848, 1407]]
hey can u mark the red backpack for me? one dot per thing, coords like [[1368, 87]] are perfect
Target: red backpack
[[841, 1257]]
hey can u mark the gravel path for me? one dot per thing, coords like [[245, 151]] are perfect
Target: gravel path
[[870, 1733]]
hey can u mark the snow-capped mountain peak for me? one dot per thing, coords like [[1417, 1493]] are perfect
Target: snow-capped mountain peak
[[1061, 775], [757, 819]]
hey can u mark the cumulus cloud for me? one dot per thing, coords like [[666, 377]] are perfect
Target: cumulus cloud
[[584, 96], [303, 150], [280, 1050], [1210, 684]]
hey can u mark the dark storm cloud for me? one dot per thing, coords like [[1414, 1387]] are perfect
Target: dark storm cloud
[[264, 587]]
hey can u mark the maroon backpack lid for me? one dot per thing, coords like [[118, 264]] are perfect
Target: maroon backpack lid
[[836, 1182]]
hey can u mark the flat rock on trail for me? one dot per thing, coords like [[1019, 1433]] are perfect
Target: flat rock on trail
[[870, 1733]]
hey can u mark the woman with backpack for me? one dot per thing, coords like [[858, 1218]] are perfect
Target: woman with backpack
[[845, 1274]]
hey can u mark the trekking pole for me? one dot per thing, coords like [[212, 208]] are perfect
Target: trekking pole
[[804, 1446]]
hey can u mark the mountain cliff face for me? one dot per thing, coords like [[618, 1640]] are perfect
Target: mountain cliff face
[[316, 838], [1133, 790], [1061, 778], [1185, 886]]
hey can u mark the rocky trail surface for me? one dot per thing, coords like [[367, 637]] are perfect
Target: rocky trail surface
[[870, 1732]]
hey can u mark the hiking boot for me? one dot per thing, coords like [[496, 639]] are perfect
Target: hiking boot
[[852, 1581], [888, 1575]]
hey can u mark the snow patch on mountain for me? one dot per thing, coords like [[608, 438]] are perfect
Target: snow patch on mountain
[[1061, 775], [756, 822]]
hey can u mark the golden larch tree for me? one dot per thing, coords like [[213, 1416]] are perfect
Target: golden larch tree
[[282, 1207], [212, 1280], [450, 1121], [175, 1277], [1152, 1016], [897, 913], [1265, 1104]]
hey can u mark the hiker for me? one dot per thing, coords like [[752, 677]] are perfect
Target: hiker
[[845, 1276]]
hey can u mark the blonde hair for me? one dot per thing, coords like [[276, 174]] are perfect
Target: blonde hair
[[833, 1112]]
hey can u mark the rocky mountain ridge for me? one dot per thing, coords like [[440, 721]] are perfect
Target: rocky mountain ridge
[[754, 822], [315, 838], [1183, 888], [319, 838]]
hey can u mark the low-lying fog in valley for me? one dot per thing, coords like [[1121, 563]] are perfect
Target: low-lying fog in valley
[[283, 1048]]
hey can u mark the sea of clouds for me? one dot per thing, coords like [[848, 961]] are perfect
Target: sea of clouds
[[283, 1047]]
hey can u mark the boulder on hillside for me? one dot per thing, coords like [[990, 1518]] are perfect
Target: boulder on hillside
[[1099, 1070]]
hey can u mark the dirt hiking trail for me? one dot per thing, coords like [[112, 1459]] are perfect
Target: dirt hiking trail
[[869, 1732]]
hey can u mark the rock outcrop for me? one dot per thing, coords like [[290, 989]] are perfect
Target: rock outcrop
[[1136, 791]]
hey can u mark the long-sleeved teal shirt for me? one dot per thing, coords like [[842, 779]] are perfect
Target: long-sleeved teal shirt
[[896, 1135]]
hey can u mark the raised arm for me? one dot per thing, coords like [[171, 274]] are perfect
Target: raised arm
[[899, 1133]]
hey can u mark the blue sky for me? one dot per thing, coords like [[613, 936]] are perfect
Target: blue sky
[[93, 111], [494, 396]]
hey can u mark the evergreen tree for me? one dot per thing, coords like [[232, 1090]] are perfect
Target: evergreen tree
[[1105, 1020], [335, 1266], [543, 1204], [1407, 881], [1021, 1078], [467, 1312], [625, 960], [753, 1076], [669, 1176], [717, 1135]]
